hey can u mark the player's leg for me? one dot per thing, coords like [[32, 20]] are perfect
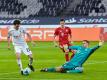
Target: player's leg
[[66, 51], [66, 54], [18, 52], [63, 69], [30, 62], [56, 69], [64, 47], [28, 52], [30, 59], [19, 62], [76, 70], [73, 52]]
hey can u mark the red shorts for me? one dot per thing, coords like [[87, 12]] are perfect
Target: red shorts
[[61, 44]]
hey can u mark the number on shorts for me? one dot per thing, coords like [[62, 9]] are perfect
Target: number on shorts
[[28, 50]]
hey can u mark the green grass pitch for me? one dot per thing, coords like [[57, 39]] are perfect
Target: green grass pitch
[[46, 55]]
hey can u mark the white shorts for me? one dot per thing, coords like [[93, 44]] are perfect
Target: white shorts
[[22, 48]]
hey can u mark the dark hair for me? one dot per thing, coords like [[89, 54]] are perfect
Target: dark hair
[[16, 22], [62, 20], [86, 41]]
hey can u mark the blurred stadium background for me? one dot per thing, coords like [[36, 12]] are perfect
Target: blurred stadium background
[[52, 8], [47, 13]]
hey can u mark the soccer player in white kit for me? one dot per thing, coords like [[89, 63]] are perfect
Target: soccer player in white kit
[[17, 33]]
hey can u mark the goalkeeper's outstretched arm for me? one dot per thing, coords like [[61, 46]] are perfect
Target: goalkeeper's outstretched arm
[[99, 45]]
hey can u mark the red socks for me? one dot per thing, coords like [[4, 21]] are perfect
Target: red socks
[[73, 53], [67, 57]]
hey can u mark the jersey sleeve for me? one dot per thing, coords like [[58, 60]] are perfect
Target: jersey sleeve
[[70, 31], [56, 32], [74, 47], [94, 48]]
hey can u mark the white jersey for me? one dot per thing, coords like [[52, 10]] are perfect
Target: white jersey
[[17, 36]]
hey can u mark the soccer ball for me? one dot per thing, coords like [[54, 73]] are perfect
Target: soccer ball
[[26, 71]]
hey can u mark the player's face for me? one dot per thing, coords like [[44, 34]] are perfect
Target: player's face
[[62, 23], [17, 26], [85, 44]]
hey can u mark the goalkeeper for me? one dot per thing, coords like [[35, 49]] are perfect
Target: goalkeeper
[[76, 63]]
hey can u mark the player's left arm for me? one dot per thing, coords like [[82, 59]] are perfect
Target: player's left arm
[[98, 46], [70, 35], [28, 35], [101, 42], [30, 38]]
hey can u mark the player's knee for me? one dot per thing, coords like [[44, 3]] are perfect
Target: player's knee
[[66, 48], [17, 55], [18, 58], [61, 46], [30, 55], [58, 69], [80, 69]]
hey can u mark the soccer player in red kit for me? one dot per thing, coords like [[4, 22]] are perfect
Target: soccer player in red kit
[[64, 35]]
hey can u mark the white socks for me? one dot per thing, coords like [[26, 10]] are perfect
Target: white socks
[[19, 64]]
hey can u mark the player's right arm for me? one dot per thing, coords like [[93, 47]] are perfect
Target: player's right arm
[[54, 41], [55, 38], [98, 46], [70, 36], [8, 39]]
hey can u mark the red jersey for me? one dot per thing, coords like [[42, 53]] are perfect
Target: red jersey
[[63, 34]]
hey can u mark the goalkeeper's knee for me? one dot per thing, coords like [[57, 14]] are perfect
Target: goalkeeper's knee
[[76, 70]]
